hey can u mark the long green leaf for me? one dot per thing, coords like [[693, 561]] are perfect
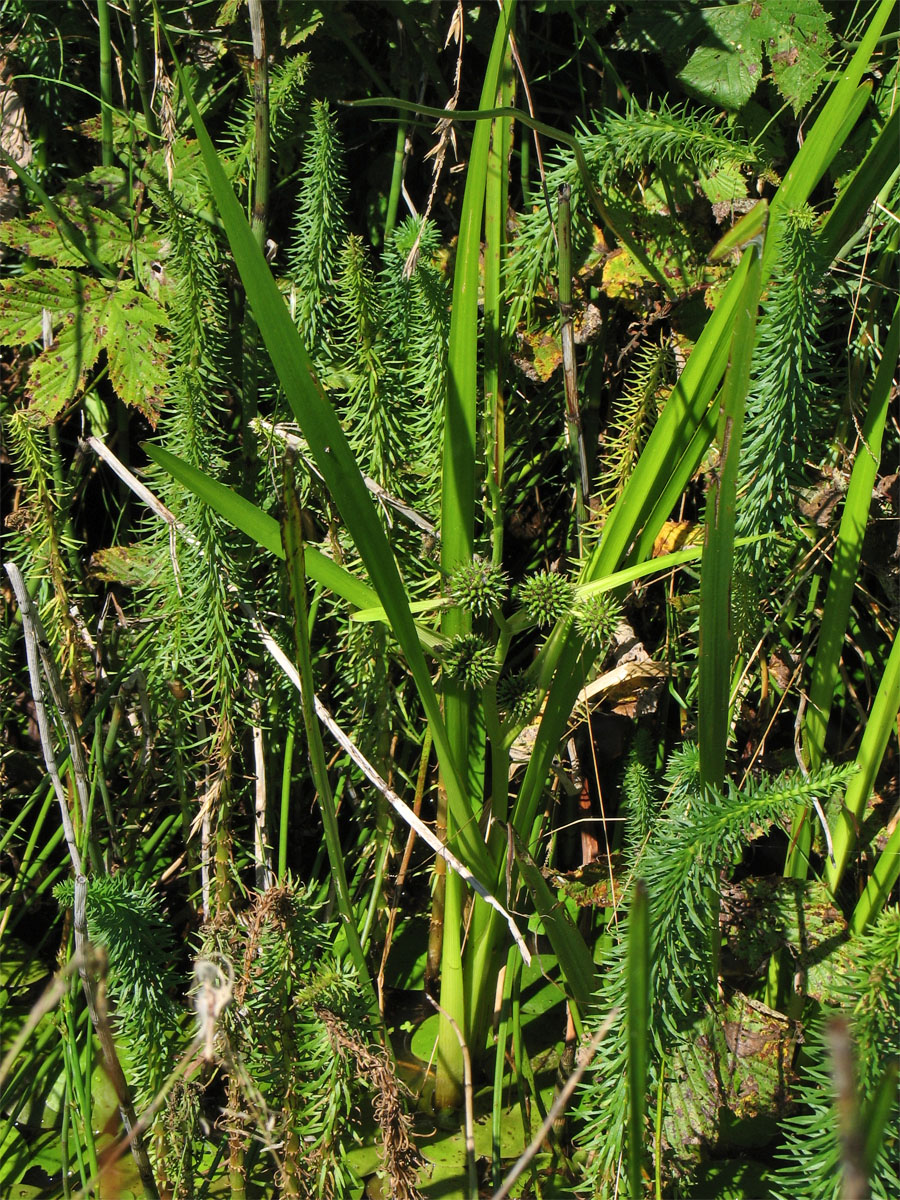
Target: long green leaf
[[881, 882], [870, 177], [842, 580], [879, 727], [458, 499], [716, 639], [839, 114], [562, 664], [461, 410], [568, 944]]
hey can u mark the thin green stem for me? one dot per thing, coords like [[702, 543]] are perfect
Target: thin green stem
[[496, 201], [106, 112], [284, 814], [574, 433], [638, 1017], [292, 535], [393, 204]]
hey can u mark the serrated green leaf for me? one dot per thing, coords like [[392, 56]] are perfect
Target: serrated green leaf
[[39, 237], [726, 71], [86, 317], [724, 184], [60, 372], [23, 300], [797, 46], [98, 205], [137, 357], [726, 1080], [727, 68]]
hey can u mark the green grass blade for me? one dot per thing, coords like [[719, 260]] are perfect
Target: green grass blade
[[881, 881], [638, 1018], [568, 945], [292, 538], [876, 1119], [716, 640], [842, 580], [870, 177], [879, 727], [495, 250], [562, 669], [461, 411], [837, 118], [262, 528], [458, 500]]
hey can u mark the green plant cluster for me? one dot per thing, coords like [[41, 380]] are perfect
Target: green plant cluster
[[450, 562]]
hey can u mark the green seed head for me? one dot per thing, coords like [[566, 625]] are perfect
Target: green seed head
[[517, 696], [546, 597], [470, 659], [479, 587], [597, 617]]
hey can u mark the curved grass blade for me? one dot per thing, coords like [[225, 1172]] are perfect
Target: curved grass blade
[[842, 581], [259, 526], [879, 727], [335, 461]]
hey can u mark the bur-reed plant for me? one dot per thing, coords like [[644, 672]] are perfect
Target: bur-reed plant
[[395, 398]]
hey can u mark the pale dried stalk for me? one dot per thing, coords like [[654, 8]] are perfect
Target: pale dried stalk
[[325, 717], [26, 608], [265, 876]]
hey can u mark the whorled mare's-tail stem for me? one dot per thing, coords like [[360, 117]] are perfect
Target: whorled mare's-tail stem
[[574, 431]]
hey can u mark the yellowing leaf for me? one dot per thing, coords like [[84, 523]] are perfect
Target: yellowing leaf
[[86, 316], [60, 372], [674, 535], [137, 357], [22, 301]]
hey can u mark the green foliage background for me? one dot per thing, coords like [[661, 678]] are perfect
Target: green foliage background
[[459, 592]]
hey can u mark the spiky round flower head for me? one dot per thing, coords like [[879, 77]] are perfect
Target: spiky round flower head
[[546, 596], [597, 616], [470, 659], [478, 587], [517, 696]]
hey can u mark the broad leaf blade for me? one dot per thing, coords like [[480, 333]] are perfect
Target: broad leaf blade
[[261, 528]]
